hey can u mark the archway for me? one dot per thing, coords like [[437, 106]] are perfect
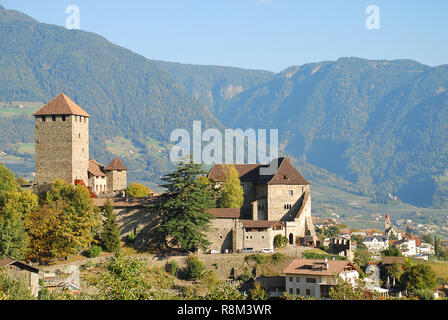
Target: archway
[[291, 238]]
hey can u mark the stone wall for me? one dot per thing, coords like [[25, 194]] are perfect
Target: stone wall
[[220, 234], [279, 196], [62, 149], [116, 180]]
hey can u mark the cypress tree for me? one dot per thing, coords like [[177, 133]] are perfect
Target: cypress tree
[[183, 208], [110, 235]]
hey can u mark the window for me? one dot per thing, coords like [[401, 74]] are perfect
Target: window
[[64, 118], [291, 290], [298, 291], [85, 119], [310, 280], [297, 279], [43, 119], [76, 118], [290, 279], [53, 118], [291, 192], [308, 292], [287, 206], [79, 136]]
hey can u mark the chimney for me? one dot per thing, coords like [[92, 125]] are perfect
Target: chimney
[[326, 263]]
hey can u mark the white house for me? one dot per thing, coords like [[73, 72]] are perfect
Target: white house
[[408, 247], [376, 243], [314, 278]]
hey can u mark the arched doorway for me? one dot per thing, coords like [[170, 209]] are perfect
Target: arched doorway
[[291, 238]]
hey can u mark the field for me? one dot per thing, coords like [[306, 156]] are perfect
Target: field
[[15, 108]]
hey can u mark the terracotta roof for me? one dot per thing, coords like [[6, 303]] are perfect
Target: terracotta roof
[[285, 174], [259, 224], [6, 262], [61, 105], [317, 267], [225, 213], [22, 265], [95, 168], [391, 260], [116, 164]]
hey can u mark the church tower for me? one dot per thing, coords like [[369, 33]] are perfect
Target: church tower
[[388, 224], [62, 142]]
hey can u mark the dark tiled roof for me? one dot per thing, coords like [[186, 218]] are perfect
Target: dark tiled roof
[[22, 265], [285, 174], [225, 213], [116, 164], [271, 282], [61, 105]]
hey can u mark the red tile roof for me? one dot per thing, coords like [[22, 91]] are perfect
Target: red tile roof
[[259, 224], [95, 168], [116, 164], [61, 105], [317, 267], [225, 213]]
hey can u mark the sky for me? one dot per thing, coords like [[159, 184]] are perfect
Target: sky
[[260, 34]]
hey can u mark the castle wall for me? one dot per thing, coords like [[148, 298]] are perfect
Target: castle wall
[[220, 234], [279, 196], [62, 149], [116, 180]]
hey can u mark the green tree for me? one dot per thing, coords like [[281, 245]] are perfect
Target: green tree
[[136, 190], [8, 184], [280, 241], [417, 277], [224, 291], [391, 252], [13, 236], [343, 290], [110, 235], [231, 193], [65, 222], [13, 288], [122, 279], [258, 292], [195, 268], [362, 257], [184, 208], [427, 238], [394, 270]]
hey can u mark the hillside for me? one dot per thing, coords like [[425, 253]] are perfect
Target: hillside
[[127, 95], [378, 124]]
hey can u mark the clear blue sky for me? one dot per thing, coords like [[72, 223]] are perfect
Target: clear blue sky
[[259, 34]]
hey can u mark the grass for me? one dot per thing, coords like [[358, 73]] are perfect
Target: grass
[[13, 109]]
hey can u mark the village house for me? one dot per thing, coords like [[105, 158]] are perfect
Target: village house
[[314, 278], [62, 151], [376, 243], [22, 271], [278, 204]]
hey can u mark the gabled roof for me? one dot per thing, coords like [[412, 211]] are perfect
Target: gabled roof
[[95, 168], [285, 173], [22, 265], [116, 164], [317, 267], [61, 105]]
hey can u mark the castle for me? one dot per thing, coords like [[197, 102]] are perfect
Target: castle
[[62, 150], [278, 204]]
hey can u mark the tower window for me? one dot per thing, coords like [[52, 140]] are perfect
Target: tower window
[[63, 118], [85, 119], [53, 118], [291, 192], [43, 118]]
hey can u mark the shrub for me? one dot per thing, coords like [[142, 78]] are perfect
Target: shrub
[[195, 268], [257, 258], [277, 257], [280, 241], [315, 255], [136, 190], [94, 251], [131, 237], [172, 268]]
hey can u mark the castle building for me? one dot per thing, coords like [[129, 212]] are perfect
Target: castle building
[[273, 204], [62, 149], [391, 230]]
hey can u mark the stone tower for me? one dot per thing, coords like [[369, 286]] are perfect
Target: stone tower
[[62, 142]]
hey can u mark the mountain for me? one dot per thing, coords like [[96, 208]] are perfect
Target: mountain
[[214, 85], [127, 95], [379, 124]]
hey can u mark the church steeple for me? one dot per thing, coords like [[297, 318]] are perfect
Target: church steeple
[[388, 224]]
